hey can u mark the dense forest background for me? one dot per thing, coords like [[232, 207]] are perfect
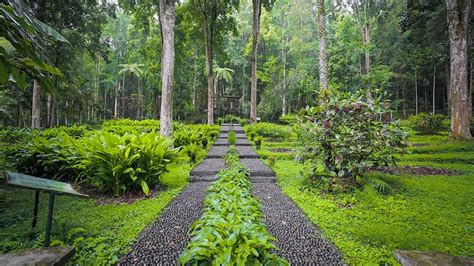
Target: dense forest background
[[111, 65]]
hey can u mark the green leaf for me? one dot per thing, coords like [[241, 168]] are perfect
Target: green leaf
[[145, 188]]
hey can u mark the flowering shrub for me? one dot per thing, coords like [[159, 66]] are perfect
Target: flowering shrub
[[345, 135]]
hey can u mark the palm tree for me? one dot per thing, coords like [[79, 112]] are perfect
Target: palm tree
[[133, 69], [221, 73]]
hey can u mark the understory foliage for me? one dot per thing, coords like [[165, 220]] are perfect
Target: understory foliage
[[123, 155], [230, 231], [424, 123], [344, 136], [120, 163], [269, 130], [232, 119]]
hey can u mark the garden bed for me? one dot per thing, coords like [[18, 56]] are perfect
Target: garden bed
[[414, 170]]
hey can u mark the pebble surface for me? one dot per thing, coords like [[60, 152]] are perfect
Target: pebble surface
[[299, 242], [163, 241]]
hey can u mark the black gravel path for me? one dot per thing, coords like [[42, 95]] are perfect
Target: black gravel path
[[166, 238], [298, 239], [246, 152], [257, 168], [208, 167], [217, 151]]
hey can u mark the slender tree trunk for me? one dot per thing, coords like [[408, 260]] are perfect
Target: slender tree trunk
[[18, 106], [426, 99], [448, 89], [208, 39], [257, 10], [434, 90], [117, 88], [283, 52], [416, 94], [195, 74], [36, 106], [366, 42], [323, 65], [458, 15], [167, 22], [48, 110]]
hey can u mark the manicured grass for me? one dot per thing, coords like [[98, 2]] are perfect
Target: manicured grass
[[421, 212], [101, 234]]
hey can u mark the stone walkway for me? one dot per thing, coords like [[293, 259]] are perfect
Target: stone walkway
[[299, 241]]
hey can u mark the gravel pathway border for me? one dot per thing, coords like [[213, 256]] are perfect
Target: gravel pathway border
[[246, 152], [208, 167], [299, 241], [257, 168], [163, 241], [217, 152]]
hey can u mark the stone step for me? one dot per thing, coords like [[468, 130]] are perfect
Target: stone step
[[39, 256], [225, 128], [262, 179], [238, 129], [237, 136], [246, 152], [221, 142], [208, 167], [420, 257], [203, 178], [257, 168], [217, 151]]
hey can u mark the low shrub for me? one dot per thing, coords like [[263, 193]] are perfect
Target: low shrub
[[110, 162], [425, 123], [119, 163], [232, 138], [230, 230], [232, 119], [53, 158], [343, 136], [269, 130], [288, 119]]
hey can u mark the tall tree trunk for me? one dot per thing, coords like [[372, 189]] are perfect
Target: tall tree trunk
[[117, 88], [434, 90], [257, 10], [458, 15], [167, 22], [323, 64], [48, 110], [366, 42], [283, 52], [416, 94], [208, 39], [195, 74], [36, 106]]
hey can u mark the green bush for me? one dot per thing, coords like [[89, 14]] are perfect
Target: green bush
[[120, 163], [53, 158], [425, 123], [232, 119], [230, 230], [288, 119], [232, 138], [270, 130], [110, 162], [343, 136]]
